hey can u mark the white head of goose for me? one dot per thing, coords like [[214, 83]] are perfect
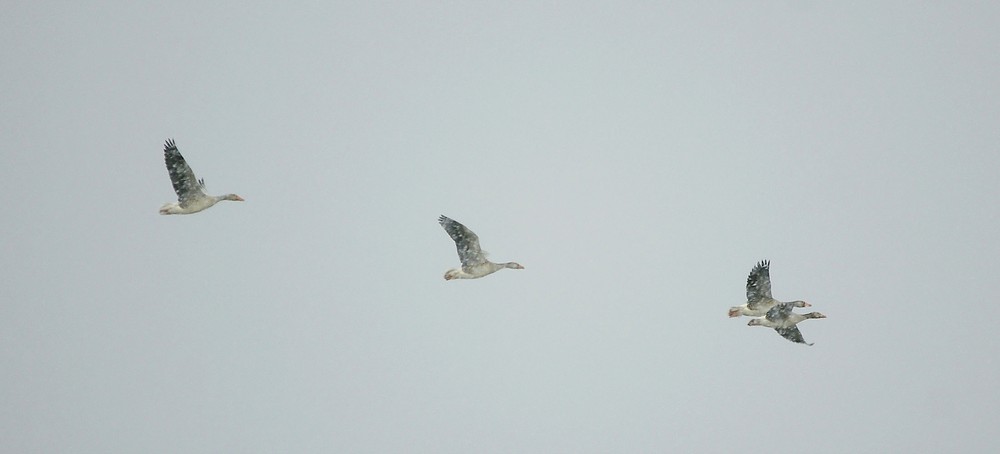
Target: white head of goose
[[191, 197], [783, 320], [759, 299], [474, 263]]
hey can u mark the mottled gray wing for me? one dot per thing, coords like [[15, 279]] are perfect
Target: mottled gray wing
[[792, 333], [182, 177], [759, 284], [779, 312], [467, 242]]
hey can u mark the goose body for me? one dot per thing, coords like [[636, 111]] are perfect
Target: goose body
[[783, 320], [191, 197], [759, 300], [474, 262]]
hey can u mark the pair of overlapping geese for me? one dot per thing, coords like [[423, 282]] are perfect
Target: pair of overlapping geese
[[769, 312]]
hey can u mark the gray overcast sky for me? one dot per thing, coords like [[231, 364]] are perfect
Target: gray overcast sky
[[637, 158]]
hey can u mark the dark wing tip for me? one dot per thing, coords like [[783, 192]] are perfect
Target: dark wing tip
[[759, 270], [450, 224], [169, 145], [793, 334], [761, 267]]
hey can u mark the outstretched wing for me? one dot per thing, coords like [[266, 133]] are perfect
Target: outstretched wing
[[182, 177], [467, 242], [793, 334], [759, 284]]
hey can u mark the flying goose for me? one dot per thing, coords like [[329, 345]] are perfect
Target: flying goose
[[783, 320], [759, 299], [191, 197], [474, 263]]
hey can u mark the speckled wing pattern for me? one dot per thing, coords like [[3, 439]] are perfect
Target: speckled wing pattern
[[182, 177], [759, 284], [467, 242], [793, 334], [779, 312]]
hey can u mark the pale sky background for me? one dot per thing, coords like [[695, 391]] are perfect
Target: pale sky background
[[637, 158]]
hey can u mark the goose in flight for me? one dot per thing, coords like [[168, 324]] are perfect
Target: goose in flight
[[783, 320], [474, 263], [191, 197], [759, 299]]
